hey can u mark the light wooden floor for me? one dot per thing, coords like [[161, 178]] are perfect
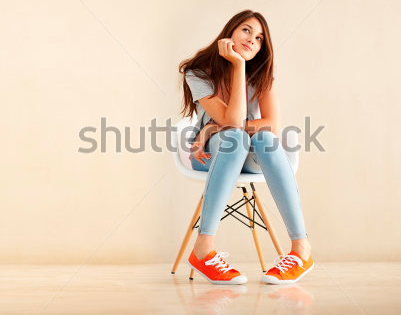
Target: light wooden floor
[[330, 288]]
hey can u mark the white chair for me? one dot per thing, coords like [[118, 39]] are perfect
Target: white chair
[[182, 162]]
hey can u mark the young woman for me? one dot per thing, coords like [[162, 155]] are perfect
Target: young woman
[[229, 84]]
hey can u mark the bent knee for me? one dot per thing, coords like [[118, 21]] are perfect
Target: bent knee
[[235, 138], [265, 138]]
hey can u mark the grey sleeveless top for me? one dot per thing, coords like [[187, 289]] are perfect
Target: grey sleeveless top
[[200, 88]]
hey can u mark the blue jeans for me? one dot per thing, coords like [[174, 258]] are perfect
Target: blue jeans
[[233, 151]]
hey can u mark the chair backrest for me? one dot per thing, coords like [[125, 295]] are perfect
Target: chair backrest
[[181, 156], [183, 148]]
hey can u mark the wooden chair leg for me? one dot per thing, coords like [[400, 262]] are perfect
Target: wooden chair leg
[[268, 224], [255, 235], [188, 235], [191, 275]]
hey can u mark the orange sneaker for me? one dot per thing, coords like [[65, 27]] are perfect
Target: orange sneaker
[[215, 269], [289, 269]]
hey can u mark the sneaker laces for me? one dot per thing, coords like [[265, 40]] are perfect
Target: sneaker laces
[[219, 262], [287, 261]]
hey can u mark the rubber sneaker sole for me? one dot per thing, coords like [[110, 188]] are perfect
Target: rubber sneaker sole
[[274, 280], [236, 280]]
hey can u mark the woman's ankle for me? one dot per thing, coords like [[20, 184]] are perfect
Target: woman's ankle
[[302, 247], [201, 253], [203, 246]]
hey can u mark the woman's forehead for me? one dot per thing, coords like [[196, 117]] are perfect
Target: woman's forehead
[[254, 24]]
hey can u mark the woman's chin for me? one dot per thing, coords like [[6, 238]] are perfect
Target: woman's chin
[[246, 58]]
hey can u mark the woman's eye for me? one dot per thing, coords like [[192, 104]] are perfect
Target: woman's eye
[[259, 38]]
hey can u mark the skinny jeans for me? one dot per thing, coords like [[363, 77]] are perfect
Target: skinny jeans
[[233, 151]]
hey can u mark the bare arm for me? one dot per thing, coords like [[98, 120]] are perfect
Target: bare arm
[[232, 114], [235, 113], [206, 132], [269, 110]]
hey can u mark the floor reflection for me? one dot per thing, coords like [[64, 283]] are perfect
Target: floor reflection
[[215, 299], [290, 297]]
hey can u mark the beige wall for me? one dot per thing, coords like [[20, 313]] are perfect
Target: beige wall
[[66, 64]]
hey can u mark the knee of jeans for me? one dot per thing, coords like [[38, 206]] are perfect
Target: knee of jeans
[[235, 138], [265, 139]]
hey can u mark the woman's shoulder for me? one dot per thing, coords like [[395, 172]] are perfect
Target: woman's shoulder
[[197, 76], [199, 84], [200, 73]]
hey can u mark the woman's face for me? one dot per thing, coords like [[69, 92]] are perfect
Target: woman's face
[[248, 38]]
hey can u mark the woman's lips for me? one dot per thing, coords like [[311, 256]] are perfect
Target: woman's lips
[[247, 47]]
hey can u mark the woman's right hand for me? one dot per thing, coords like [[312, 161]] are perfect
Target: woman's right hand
[[227, 52], [199, 154]]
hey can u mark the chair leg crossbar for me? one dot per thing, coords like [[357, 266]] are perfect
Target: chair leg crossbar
[[230, 213], [252, 206]]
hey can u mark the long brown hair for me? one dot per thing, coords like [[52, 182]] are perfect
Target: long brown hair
[[208, 64]]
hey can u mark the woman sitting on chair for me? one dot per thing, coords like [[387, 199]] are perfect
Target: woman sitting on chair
[[229, 84]]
